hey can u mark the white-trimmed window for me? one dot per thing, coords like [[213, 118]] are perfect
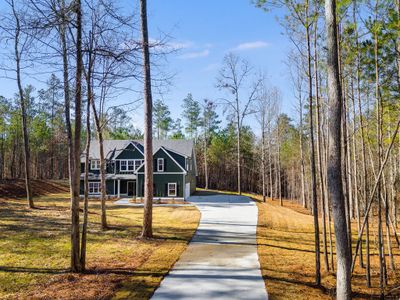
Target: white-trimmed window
[[123, 165], [131, 165], [95, 164], [138, 163], [160, 164], [94, 188], [126, 165], [172, 189]]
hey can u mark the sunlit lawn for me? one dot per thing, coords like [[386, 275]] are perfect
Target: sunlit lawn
[[35, 250], [286, 252]]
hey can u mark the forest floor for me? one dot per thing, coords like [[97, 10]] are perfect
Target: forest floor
[[286, 252], [35, 247]]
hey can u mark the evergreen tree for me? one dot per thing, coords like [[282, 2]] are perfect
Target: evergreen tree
[[161, 119], [191, 114]]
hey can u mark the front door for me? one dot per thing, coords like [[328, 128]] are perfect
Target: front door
[[131, 188]]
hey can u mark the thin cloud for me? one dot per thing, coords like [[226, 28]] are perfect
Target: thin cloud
[[211, 67], [251, 46], [196, 54], [180, 45], [169, 46]]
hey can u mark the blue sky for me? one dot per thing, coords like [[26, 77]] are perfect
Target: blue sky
[[206, 31], [209, 29]]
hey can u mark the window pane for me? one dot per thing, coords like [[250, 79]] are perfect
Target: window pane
[[160, 164], [171, 189], [137, 164]]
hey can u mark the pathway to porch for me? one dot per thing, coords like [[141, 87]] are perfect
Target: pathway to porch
[[221, 261]]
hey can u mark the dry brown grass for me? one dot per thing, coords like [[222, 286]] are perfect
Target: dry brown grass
[[34, 250], [286, 252]]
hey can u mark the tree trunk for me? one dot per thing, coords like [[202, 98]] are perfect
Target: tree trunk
[[22, 102], [312, 156], [75, 238], [239, 171], [319, 153], [302, 173], [335, 187], [147, 231], [205, 164], [270, 166], [346, 166], [86, 178], [279, 183], [103, 166], [263, 157], [379, 139], [355, 171], [364, 161]]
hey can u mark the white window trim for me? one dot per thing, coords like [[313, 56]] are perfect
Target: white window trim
[[158, 164], [95, 164], [125, 167], [92, 187], [175, 188], [127, 163]]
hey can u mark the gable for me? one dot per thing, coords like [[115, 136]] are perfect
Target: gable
[[130, 152], [169, 164], [179, 158]]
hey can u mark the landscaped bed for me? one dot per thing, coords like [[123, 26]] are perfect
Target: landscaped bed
[[35, 249]]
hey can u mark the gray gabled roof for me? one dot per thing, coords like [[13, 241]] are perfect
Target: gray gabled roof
[[113, 148]]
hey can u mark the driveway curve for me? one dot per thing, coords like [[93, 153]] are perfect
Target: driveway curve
[[221, 261]]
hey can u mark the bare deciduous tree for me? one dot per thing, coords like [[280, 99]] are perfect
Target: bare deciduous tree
[[234, 77], [13, 29]]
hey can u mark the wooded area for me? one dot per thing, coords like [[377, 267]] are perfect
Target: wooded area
[[339, 156]]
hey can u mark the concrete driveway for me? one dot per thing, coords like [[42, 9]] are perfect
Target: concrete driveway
[[221, 261]]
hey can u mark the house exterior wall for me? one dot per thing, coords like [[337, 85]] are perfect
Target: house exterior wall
[[179, 158], [169, 164], [109, 186], [176, 170], [130, 152], [161, 185]]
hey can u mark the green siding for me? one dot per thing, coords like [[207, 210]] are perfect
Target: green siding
[[179, 158], [161, 184], [110, 187], [130, 152], [123, 188], [169, 164]]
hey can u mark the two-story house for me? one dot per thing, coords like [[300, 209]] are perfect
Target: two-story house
[[174, 173]]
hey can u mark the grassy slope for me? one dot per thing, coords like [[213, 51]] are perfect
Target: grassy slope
[[34, 250]]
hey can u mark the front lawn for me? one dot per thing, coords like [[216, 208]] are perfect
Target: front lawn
[[35, 250]]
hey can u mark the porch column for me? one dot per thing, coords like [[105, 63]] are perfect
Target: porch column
[[118, 188]]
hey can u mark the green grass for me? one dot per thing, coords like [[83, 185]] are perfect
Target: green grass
[[35, 250]]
